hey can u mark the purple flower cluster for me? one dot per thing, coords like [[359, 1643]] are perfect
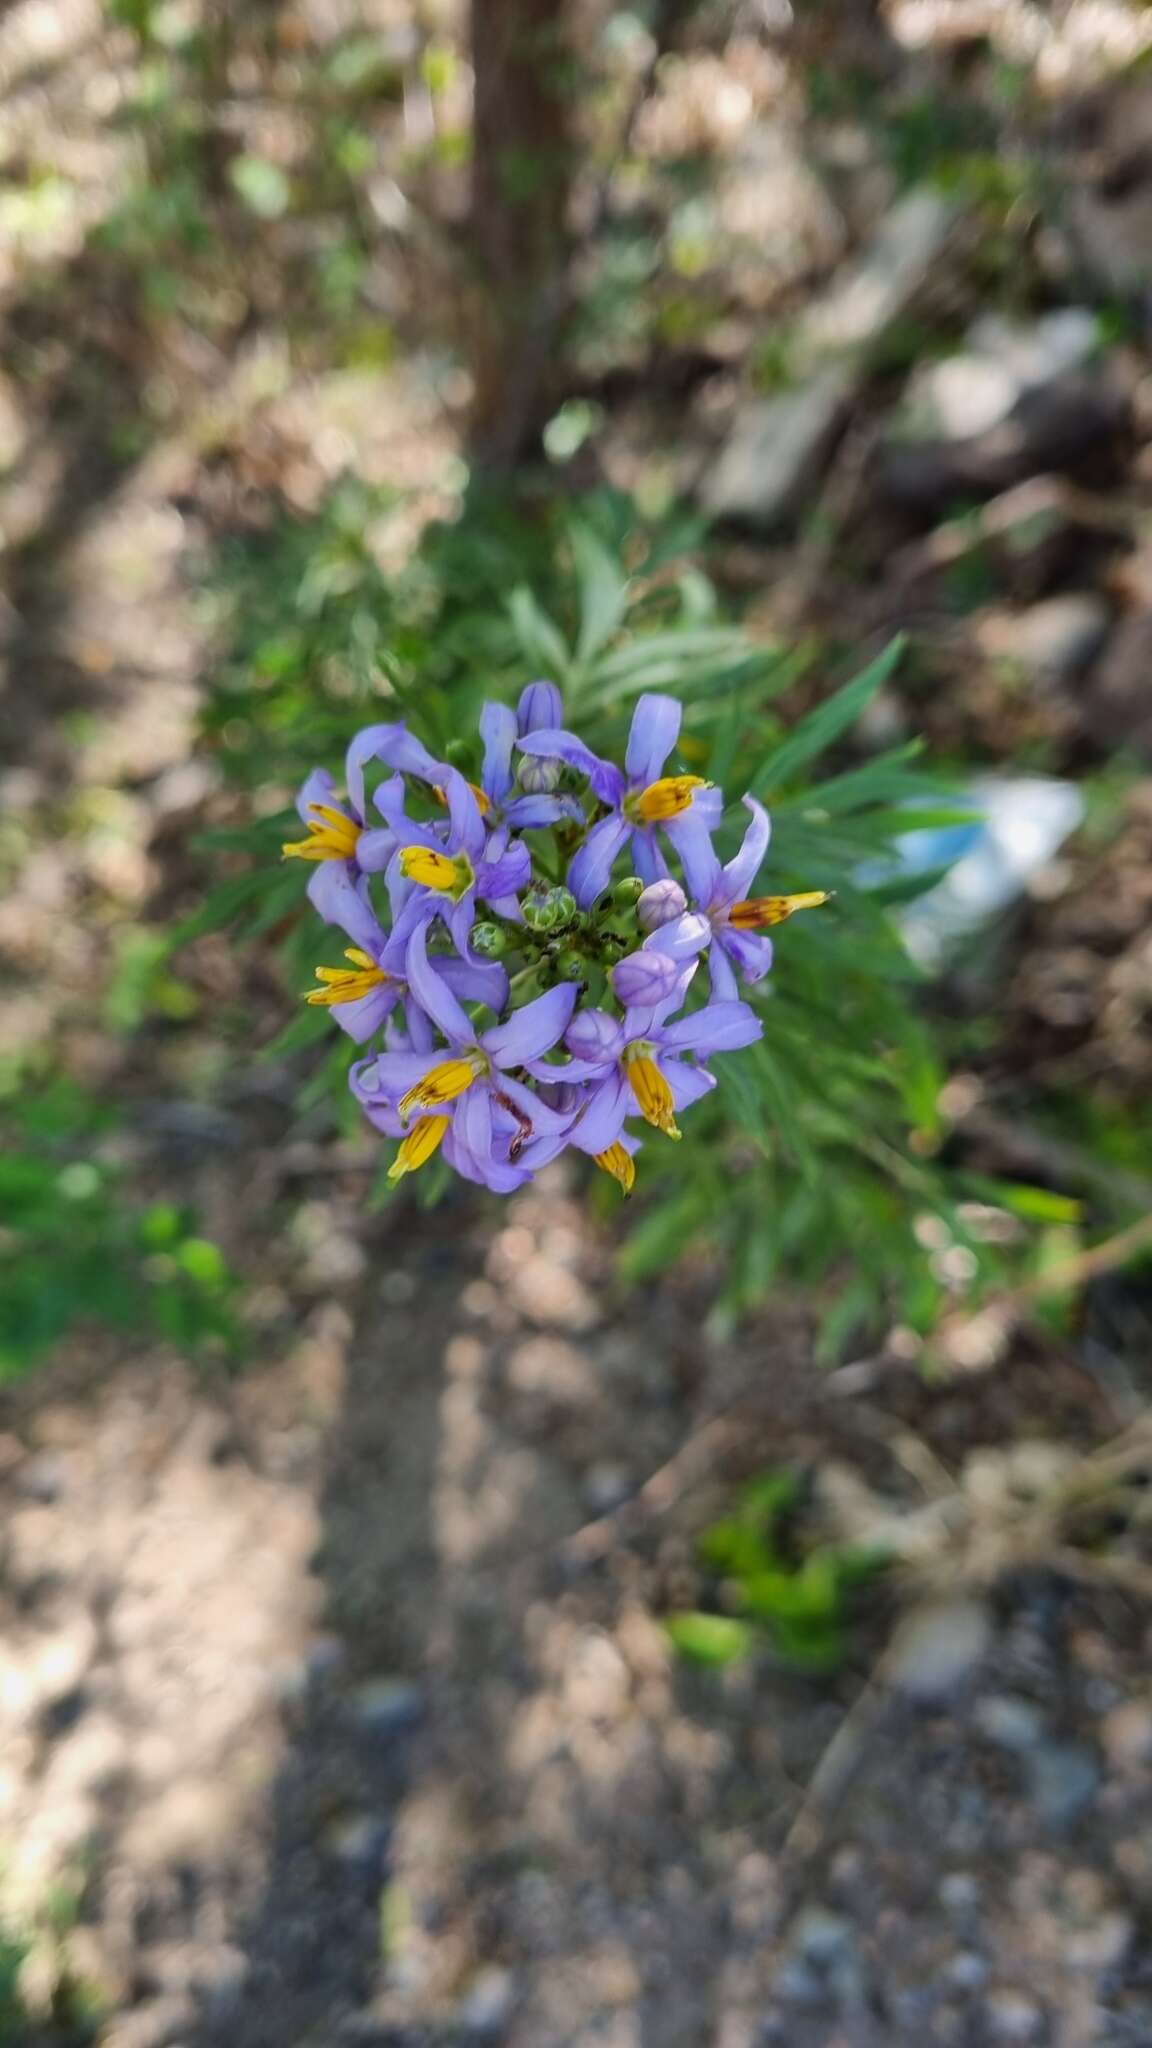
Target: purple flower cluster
[[521, 1001]]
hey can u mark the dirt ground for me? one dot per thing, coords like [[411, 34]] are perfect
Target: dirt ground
[[334, 1702]]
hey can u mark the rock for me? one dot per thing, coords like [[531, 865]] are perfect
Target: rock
[[959, 1892], [1063, 1778], [1013, 2017], [974, 390], [386, 1706], [1126, 1734], [967, 1971], [361, 1839], [776, 444], [487, 2006], [1103, 1945], [938, 1649], [1075, 426], [821, 1937], [606, 1487], [1009, 1721], [1052, 641], [1117, 707]]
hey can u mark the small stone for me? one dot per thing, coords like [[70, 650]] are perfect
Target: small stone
[[1051, 642], [967, 1971], [1009, 1721], [938, 1650], [43, 1479], [487, 2006], [1013, 2017], [387, 1706], [606, 1487], [1063, 1779], [1103, 1945], [361, 1839], [959, 1892], [822, 1937], [1126, 1734]]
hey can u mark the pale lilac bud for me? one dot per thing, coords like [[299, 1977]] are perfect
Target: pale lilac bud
[[660, 903], [593, 1035], [539, 774], [645, 977], [541, 708]]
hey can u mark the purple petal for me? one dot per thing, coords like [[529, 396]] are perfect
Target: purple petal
[[741, 869], [532, 813], [421, 1036], [725, 987], [363, 1017], [342, 899], [503, 876], [646, 1023], [368, 745], [590, 868], [391, 1074], [647, 858], [750, 952], [655, 731], [486, 1172], [433, 995], [317, 788], [467, 831], [542, 1119], [374, 849], [594, 1035], [600, 1124], [476, 981], [498, 732], [404, 752], [687, 1083], [682, 939], [541, 707], [720, 1027], [534, 1030], [604, 776], [692, 838]]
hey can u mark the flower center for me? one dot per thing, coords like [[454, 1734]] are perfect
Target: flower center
[[443, 1083], [332, 835], [346, 984], [619, 1163], [663, 799], [756, 913], [449, 874], [422, 1141], [649, 1086]]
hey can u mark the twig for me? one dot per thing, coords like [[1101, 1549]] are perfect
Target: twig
[[977, 1341], [664, 1486]]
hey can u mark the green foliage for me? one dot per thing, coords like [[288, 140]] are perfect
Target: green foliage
[[798, 1600], [816, 1154], [75, 1247]]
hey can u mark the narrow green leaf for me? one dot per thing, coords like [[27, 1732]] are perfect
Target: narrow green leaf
[[828, 721]]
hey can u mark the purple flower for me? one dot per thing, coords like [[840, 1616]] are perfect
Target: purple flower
[[719, 892], [659, 904], [640, 1061], [500, 1130], [637, 800], [458, 863], [362, 996], [338, 840]]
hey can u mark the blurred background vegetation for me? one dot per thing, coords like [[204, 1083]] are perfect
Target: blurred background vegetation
[[793, 358]]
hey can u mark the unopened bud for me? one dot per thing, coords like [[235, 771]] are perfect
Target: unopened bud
[[645, 977], [541, 708], [548, 910], [539, 774], [488, 940], [571, 965], [624, 894], [659, 903]]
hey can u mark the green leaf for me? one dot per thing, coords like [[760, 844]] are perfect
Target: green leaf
[[709, 1638], [540, 638], [262, 186], [816, 733], [603, 592]]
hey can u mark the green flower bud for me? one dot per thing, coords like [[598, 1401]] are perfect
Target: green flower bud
[[624, 894], [548, 910], [571, 965], [456, 752], [538, 775], [611, 950], [488, 940]]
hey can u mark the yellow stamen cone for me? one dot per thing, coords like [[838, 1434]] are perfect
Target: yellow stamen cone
[[619, 1163], [440, 1085], [346, 984], [450, 874], [756, 913], [331, 836], [666, 798], [422, 1141], [652, 1092]]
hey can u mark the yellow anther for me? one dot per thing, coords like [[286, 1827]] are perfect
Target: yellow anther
[[756, 913], [346, 984], [650, 1088], [619, 1163], [482, 801], [664, 799], [421, 1142], [331, 836], [442, 1084], [451, 874]]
